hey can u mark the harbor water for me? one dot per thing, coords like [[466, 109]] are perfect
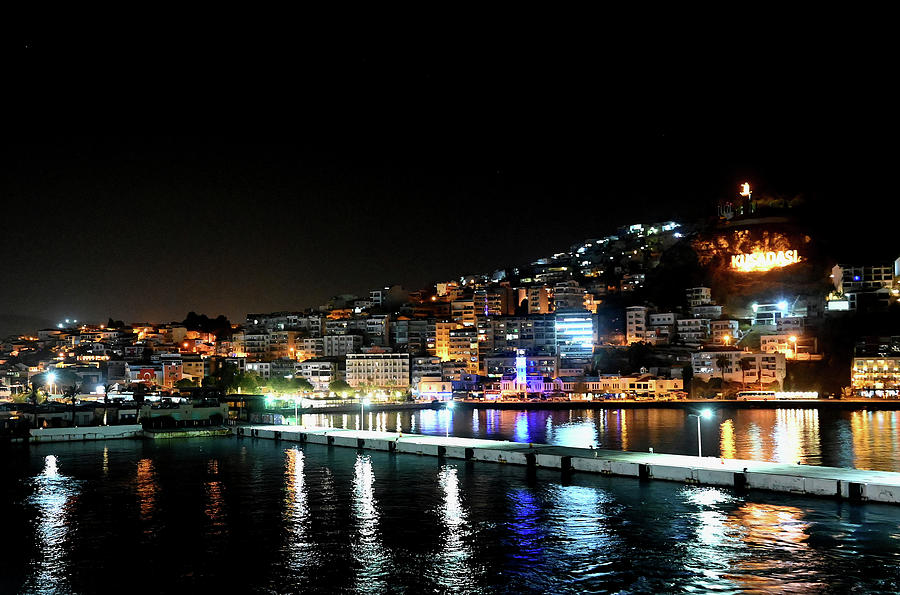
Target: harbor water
[[255, 516]]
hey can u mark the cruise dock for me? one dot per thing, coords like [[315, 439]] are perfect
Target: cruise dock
[[856, 485]]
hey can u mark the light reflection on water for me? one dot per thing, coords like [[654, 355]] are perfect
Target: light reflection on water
[[318, 519], [862, 439], [369, 555], [53, 498]]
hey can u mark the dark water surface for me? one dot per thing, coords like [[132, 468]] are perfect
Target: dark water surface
[[232, 515]]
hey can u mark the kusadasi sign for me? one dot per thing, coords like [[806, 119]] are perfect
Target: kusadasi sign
[[764, 261]]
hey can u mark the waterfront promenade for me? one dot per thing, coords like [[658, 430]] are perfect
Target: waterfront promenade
[[850, 484]]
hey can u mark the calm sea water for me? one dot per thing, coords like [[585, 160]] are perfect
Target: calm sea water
[[861, 439], [233, 515]]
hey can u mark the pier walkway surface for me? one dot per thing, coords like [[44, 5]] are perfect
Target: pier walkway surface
[[851, 484]]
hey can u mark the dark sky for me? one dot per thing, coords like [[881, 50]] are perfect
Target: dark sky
[[144, 176]]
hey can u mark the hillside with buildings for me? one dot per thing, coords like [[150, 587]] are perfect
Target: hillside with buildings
[[745, 299]]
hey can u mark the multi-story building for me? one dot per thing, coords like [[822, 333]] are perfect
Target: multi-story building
[[693, 330], [761, 368], [635, 324], [380, 370], [319, 372], [463, 312], [878, 284], [540, 299], [876, 367], [442, 339], [498, 365], [711, 311], [576, 334], [793, 346], [698, 296], [310, 347], [256, 344], [662, 325], [427, 366], [496, 300], [464, 348], [568, 295], [340, 345], [261, 369], [724, 332]]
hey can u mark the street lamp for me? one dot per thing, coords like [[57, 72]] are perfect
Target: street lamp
[[448, 408], [705, 414], [362, 404]]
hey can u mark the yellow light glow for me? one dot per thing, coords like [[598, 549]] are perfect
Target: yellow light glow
[[745, 189], [764, 261]]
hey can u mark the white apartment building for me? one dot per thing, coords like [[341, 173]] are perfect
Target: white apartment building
[[720, 329], [693, 330], [698, 296], [319, 373], [635, 324], [382, 370], [767, 368]]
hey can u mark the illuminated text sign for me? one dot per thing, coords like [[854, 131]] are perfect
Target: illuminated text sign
[[764, 261]]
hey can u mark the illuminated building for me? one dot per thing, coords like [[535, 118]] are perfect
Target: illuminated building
[[494, 301], [499, 365], [380, 370], [463, 312], [319, 372], [877, 284], [792, 345], [540, 299], [876, 367], [763, 368], [442, 339], [463, 347], [428, 366], [720, 329], [635, 324], [770, 314], [576, 334]]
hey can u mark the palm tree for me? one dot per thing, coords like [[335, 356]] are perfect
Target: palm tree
[[745, 365], [721, 362], [70, 394], [32, 397]]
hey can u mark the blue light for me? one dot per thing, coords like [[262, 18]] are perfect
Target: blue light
[[856, 277]]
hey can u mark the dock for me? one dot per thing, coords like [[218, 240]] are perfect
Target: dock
[[857, 485]]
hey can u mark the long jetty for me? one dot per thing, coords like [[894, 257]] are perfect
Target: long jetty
[[857, 485]]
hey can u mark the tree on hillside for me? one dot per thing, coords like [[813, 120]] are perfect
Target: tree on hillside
[[303, 385], [185, 383]]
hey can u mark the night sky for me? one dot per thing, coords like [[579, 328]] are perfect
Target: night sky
[[142, 178]]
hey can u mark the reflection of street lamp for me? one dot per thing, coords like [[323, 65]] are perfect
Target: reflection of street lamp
[[51, 378], [448, 408], [363, 403], [705, 414]]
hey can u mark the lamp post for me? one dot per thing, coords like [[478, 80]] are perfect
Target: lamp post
[[448, 408], [705, 414]]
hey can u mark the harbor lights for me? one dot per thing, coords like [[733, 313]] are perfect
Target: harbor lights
[[705, 414], [449, 409]]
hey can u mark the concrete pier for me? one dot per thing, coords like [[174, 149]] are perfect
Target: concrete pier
[[850, 484]]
